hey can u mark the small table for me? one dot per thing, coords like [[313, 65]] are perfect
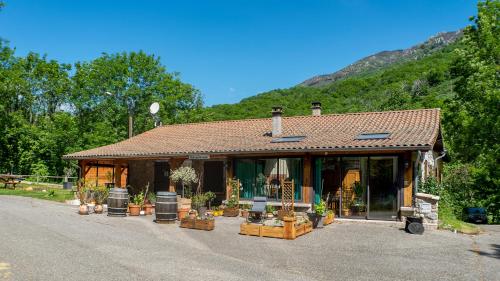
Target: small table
[[10, 180]]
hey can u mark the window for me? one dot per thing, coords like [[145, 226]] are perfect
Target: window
[[263, 177], [288, 139], [372, 136]]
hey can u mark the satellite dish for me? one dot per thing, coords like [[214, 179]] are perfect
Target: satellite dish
[[154, 107]]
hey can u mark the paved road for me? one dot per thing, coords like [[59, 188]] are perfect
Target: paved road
[[43, 240]]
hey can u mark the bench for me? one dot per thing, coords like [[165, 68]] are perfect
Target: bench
[[11, 182]]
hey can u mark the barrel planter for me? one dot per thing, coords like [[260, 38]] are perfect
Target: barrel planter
[[117, 202], [166, 207]]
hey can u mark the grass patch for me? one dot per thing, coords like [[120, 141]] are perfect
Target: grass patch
[[448, 220], [52, 194]]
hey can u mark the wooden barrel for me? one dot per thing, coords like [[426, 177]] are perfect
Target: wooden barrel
[[166, 207], [117, 202]]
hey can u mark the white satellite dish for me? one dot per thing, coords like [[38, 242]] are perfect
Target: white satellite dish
[[154, 107]]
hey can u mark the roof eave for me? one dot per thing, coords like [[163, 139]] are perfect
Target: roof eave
[[227, 152]]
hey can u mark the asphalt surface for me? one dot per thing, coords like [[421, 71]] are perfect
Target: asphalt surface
[[43, 240]]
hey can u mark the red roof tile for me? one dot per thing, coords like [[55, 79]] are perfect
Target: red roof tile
[[409, 130]]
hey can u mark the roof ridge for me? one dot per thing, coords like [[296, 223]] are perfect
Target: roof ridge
[[301, 116]]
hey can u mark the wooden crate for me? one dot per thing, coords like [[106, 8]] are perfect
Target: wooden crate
[[289, 231], [197, 224]]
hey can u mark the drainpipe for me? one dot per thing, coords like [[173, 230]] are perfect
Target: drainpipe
[[416, 177], [443, 154]]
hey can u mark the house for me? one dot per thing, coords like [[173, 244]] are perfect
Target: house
[[365, 165]]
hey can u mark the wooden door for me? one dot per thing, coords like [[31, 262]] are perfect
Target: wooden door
[[162, 176]]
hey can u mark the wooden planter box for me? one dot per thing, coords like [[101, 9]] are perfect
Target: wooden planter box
[[231, 212], [288, 231], [197, 224], [328, 219]]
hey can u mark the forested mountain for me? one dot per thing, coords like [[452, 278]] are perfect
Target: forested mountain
[[385, 59], [423, 82]]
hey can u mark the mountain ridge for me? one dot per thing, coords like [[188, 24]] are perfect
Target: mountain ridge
[[385, 59]]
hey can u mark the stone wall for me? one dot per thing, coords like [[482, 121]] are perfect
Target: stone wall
[[426, 207]]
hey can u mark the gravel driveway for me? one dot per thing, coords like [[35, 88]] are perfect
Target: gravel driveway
[[43, 240]]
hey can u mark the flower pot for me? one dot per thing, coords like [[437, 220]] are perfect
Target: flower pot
[[135, 210], [231, 212], [182, 213], [317, 220], [244, 213], [98, 209], [270, 215], [192, 215], [202, 211], [148, 209], [84, 209]]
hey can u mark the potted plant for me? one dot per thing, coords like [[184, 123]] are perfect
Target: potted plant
[[270, 211], [319, 214], [147, 207], [358, 205], [68, 172], [81, 193], [149, 203], [185, 176], [329, 217], [198, 201], [192, 214], [100, 195], [244, 210], [136, 205], [232, 205]]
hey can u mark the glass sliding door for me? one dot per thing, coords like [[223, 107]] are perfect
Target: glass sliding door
[[328, 182], [354, 187], [383, 189], [264, 177]]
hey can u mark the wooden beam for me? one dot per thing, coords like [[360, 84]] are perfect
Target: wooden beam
[[307, 179]]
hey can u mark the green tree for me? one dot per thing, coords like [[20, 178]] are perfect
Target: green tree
[[472, 120]]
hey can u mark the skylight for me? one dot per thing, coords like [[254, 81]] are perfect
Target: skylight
[[289, 139], [373, 136]]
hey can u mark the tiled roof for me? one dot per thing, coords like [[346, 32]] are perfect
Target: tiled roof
[[408, 129]]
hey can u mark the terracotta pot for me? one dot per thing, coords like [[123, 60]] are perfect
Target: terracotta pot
[[98, 209], [192, 215], [181, 213], [244, 213], [148, 209], [135, 210], [84, 209]]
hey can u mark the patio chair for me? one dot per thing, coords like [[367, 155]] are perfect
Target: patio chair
[[258, 209]]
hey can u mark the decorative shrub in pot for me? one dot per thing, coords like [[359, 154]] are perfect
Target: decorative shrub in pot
[[319, 214], [100, 195], [136, 205]]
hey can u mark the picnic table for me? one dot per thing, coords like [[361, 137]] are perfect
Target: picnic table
[[10, 180]]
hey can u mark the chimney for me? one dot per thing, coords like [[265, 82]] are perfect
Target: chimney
[[277, 111], [316, 108]]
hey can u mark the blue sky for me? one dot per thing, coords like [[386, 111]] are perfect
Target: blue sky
[[230, 50]]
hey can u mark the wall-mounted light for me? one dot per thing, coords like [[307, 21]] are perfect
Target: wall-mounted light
[[407, 164]]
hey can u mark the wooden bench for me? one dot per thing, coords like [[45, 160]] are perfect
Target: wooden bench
[[11, 182]]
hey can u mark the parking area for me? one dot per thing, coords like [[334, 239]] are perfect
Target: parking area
[[44, 240]]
